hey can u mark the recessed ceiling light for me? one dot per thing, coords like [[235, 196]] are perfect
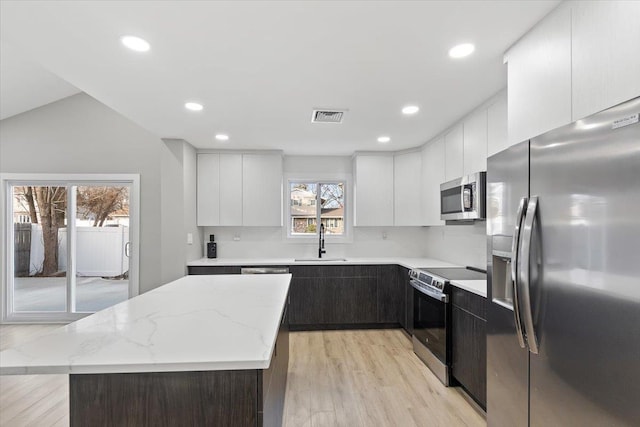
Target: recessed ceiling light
[[193, 106], [135, 43], [222, 137], [384, 139], [410, 109], [461, 50]]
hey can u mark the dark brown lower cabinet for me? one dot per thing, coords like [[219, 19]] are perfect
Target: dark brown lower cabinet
[[469, 344], [252, 397], [406, 319], [332, 296], [214, 269], [336, 297], [390, 295]]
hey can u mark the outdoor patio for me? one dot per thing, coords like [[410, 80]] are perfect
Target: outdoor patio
[[48, 294]]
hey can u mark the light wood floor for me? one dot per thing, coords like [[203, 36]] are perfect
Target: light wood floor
[[336, 378], [367, 378]]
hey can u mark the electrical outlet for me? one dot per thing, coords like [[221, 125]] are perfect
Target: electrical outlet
[[189, 239], [236, 238], [384, 235]]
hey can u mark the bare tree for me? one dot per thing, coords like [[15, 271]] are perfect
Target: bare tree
[[51, 203], [98, 203], [47, 206], [332, 195]]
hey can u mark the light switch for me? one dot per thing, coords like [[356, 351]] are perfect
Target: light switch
[[189, 239]]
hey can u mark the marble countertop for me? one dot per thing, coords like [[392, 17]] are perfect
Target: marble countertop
[[405, 262], [194, 323], [478, 287]]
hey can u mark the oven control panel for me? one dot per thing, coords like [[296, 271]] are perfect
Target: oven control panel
[[427, 279]]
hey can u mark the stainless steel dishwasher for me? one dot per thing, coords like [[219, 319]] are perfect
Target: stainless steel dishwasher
[[264, 270]]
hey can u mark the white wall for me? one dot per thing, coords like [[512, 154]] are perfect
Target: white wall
[[268, 242], [318, 164], [458, 244], [173, 248], [189, 161], [178, 209], [80, 135]]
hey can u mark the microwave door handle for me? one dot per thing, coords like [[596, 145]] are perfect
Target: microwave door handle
[[514, 271], [462, 209], [525, 273]]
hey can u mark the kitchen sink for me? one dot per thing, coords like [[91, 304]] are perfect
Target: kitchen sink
[[321, 259]]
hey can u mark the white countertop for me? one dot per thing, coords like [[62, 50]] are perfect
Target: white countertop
[[405, 262], [192, 324], [478, 287]]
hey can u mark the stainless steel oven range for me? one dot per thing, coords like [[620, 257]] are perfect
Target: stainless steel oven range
[[432, 315]]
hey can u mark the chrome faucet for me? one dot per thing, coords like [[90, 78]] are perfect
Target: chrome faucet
[[321, 249]]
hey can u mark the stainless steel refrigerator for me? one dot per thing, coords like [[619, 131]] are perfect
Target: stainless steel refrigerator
[[563, 225]]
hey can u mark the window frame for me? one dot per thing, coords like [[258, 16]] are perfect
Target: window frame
[[7, 181], [347, 236]]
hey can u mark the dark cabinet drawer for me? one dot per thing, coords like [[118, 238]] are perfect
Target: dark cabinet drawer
[[338, 271], [391, 296], [202, 269], [469, 353], [474, 304], [327, 301]]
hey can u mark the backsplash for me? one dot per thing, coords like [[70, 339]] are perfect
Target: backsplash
[[458, 244], [268, 242]]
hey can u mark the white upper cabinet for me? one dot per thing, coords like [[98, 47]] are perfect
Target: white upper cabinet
[[373, 189], [432, 176], [230, 189], [605, 55], [407, 188], [539, 78], [262, 190], [239, 189], [454, 146], [208, 189], [497, 139], [475, 143]]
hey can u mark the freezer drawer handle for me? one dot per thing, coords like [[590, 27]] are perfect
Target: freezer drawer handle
[[514, 271], [525, 274]]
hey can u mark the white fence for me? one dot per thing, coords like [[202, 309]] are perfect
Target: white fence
[[100, 251]]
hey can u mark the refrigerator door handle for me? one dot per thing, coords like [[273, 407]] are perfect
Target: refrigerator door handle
[[514, 271], [524, 273]]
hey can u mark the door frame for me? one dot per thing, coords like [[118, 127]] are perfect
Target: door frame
[[6, 231]]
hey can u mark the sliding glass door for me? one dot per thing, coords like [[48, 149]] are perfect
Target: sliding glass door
[[72, 247]]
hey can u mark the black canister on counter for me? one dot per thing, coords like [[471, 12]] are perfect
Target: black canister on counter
[[212, 250]]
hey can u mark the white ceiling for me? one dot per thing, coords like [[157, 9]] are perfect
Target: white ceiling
[[260, 67], [25, 85]]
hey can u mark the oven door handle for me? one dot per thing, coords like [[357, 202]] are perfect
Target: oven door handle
[[442, 297]]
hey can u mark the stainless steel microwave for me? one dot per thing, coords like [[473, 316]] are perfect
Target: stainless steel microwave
[[464, 198]]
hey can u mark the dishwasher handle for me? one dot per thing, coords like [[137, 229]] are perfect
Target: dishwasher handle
[[264, 270]]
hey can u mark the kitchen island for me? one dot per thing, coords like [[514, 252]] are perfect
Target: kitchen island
[[202, 350]]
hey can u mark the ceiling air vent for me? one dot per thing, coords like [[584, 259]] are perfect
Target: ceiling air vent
[[327, 116]]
